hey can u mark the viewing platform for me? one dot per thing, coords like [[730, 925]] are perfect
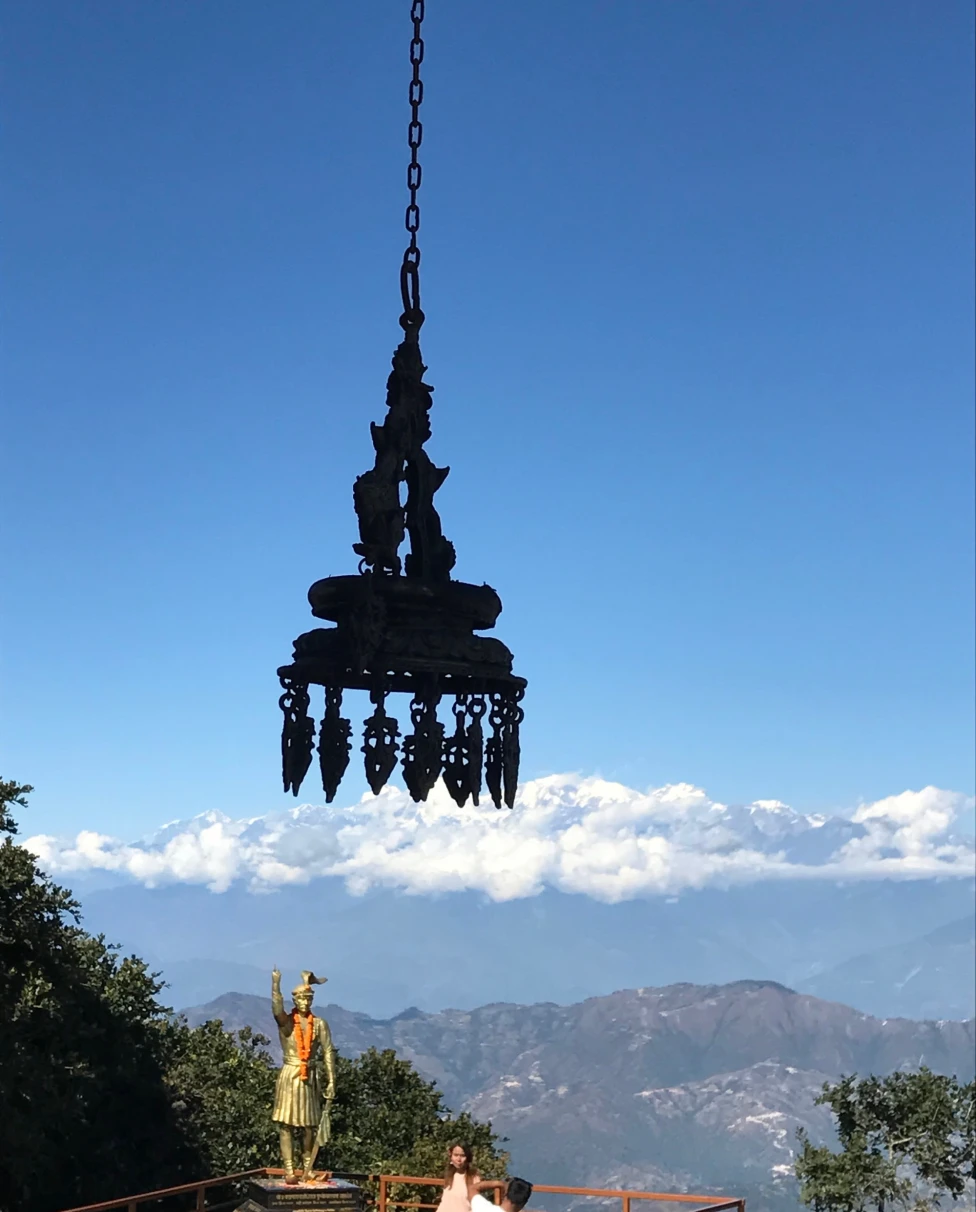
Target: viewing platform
[[339, 1192]]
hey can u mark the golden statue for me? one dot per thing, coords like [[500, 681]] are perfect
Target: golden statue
[[306, 1049]]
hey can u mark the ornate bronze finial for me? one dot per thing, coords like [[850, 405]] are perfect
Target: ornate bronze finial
[[404, 626]]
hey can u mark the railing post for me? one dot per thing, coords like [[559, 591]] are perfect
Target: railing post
[[625, 1200], [201, 1199], [381, 1197]]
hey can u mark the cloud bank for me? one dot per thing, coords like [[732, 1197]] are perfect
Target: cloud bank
[[580, 835]]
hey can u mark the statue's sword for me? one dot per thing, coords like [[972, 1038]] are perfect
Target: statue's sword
[[325, 1125]]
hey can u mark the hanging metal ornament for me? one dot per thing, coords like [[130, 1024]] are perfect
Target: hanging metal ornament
[[404, 627]]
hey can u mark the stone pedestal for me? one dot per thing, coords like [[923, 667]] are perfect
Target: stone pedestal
[[272, 1194]]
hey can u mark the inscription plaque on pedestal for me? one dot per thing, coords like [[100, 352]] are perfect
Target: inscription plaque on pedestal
[[273, 1194]]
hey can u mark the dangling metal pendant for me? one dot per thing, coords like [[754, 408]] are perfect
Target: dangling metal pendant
[[334, 745], [380, 744], [504, 749], [464, 751], [512, 750], [455, 756], [297, 734], [476, 745], [423, 753]]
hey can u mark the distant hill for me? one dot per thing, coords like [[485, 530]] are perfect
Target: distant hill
[[385, 950], [685, 1087], [931, 976]]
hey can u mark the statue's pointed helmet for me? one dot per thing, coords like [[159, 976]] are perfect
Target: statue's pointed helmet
[[308, 980]]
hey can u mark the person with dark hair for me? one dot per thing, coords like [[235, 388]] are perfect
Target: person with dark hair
[[461, 1180], [517, 1195]]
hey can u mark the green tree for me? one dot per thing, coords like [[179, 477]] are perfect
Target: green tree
[[222, 1088], [905, 1140], [102, 1093], [84, 1109]]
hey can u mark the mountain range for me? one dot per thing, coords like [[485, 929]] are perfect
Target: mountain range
[[927, 977], [686, 1087], [887, 947]]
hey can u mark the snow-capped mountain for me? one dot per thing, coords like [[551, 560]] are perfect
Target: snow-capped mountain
[[577, 835], [586, 887]]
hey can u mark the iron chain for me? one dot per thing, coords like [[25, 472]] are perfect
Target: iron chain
[[410, 269]]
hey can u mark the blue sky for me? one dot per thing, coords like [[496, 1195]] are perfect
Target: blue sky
[[698, 280]]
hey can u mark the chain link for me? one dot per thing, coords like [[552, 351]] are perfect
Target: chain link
[[410, 269]]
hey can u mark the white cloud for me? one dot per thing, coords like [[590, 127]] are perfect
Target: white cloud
[[582, 835]]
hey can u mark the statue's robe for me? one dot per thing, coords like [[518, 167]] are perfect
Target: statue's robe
[[298, 1103]]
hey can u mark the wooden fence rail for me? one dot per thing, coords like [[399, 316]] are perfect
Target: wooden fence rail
[[385, 1203]]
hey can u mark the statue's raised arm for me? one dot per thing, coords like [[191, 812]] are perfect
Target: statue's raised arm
[[277, 1001]]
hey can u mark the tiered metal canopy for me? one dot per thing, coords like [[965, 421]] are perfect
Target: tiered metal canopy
[[404, 626]]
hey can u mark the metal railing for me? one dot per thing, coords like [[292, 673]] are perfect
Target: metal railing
[[707, 1203], [384, 1202], [199, 1189]]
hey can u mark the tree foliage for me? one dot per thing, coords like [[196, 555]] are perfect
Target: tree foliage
[[84, 1109], [103, 1093], [905, 1140], [221, 1085]]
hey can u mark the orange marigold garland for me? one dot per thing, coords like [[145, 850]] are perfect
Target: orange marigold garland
[[303, 1040]]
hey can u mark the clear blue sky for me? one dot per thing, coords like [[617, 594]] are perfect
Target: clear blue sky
[[698, 279]]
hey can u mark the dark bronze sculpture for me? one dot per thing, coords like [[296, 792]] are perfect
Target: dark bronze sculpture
[[405, 626]]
